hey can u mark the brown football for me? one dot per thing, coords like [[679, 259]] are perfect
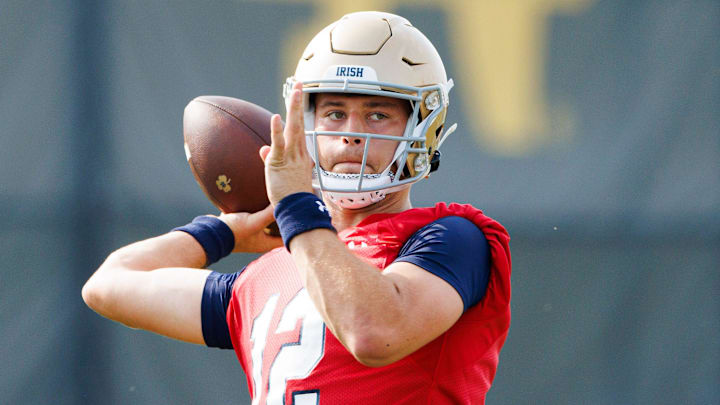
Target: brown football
[[222, 138]]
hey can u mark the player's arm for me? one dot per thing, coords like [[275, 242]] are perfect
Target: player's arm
[[382, 317], [157, 284]]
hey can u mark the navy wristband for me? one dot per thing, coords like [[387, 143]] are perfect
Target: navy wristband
[[215, 237], [301, 212]]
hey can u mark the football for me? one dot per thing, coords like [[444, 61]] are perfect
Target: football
[[223, 136]]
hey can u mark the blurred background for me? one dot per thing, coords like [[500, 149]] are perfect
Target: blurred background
[[590, 129]]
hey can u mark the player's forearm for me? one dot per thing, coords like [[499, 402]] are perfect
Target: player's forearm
[[174, 249], [361, 306]]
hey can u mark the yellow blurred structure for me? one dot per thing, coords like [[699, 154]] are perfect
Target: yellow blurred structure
[[498, 49]]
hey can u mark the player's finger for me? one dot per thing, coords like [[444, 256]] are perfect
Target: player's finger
[[295, 126], [277, 146], [264, 151], [261, 219]]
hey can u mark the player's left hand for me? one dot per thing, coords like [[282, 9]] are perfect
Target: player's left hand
[[248, 230], [288, 166]]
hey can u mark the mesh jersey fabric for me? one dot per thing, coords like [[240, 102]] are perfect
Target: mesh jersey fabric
[[289, 356]]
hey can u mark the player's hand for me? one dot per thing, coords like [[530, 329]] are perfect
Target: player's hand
[[248, 230], [288, 166]]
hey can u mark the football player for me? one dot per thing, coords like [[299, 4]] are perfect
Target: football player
[[365, 299]]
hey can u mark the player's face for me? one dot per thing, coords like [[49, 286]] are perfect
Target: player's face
[[358, 113]]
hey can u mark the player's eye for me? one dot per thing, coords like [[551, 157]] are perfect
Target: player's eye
[[377, 116], [335, 115]]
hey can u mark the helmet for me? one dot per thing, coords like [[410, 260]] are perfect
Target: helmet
[[381, 54]]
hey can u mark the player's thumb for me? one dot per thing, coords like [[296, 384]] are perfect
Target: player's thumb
[[264, 152]]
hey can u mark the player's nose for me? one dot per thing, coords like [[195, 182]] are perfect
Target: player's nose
[[354, 123], [354, 140]]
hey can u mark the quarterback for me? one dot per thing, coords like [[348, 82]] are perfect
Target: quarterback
[[364, 299]]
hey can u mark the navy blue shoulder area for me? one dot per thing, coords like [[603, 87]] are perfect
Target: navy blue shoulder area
[[215, 300], [456, 250]]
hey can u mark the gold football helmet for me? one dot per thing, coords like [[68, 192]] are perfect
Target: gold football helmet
[[382, 54]]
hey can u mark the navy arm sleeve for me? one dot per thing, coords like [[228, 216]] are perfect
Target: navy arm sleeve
[[215, 301], [456, 250]]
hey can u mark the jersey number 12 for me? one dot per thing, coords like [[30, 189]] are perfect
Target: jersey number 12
[[294, 359]]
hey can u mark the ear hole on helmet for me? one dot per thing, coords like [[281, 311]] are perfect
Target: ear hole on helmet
[[438, 132], [435, 161], [406, 171]]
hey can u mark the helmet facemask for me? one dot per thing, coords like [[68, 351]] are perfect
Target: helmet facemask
[[411, 160]]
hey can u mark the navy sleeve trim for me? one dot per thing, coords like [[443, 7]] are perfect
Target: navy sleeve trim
[[456, 250], [215, 300]]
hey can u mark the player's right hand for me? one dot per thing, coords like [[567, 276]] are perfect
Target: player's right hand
[[288, 166], [248, 230]]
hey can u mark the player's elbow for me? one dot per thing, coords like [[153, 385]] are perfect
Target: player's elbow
[[95, 293], [97, 290], [92, 294], [375, 350]]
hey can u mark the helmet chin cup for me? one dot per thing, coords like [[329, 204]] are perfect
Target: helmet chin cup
[[354, 201], [350, 182], [350, 197]]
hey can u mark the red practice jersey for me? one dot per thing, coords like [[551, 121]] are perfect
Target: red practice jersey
[[290, 357]]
